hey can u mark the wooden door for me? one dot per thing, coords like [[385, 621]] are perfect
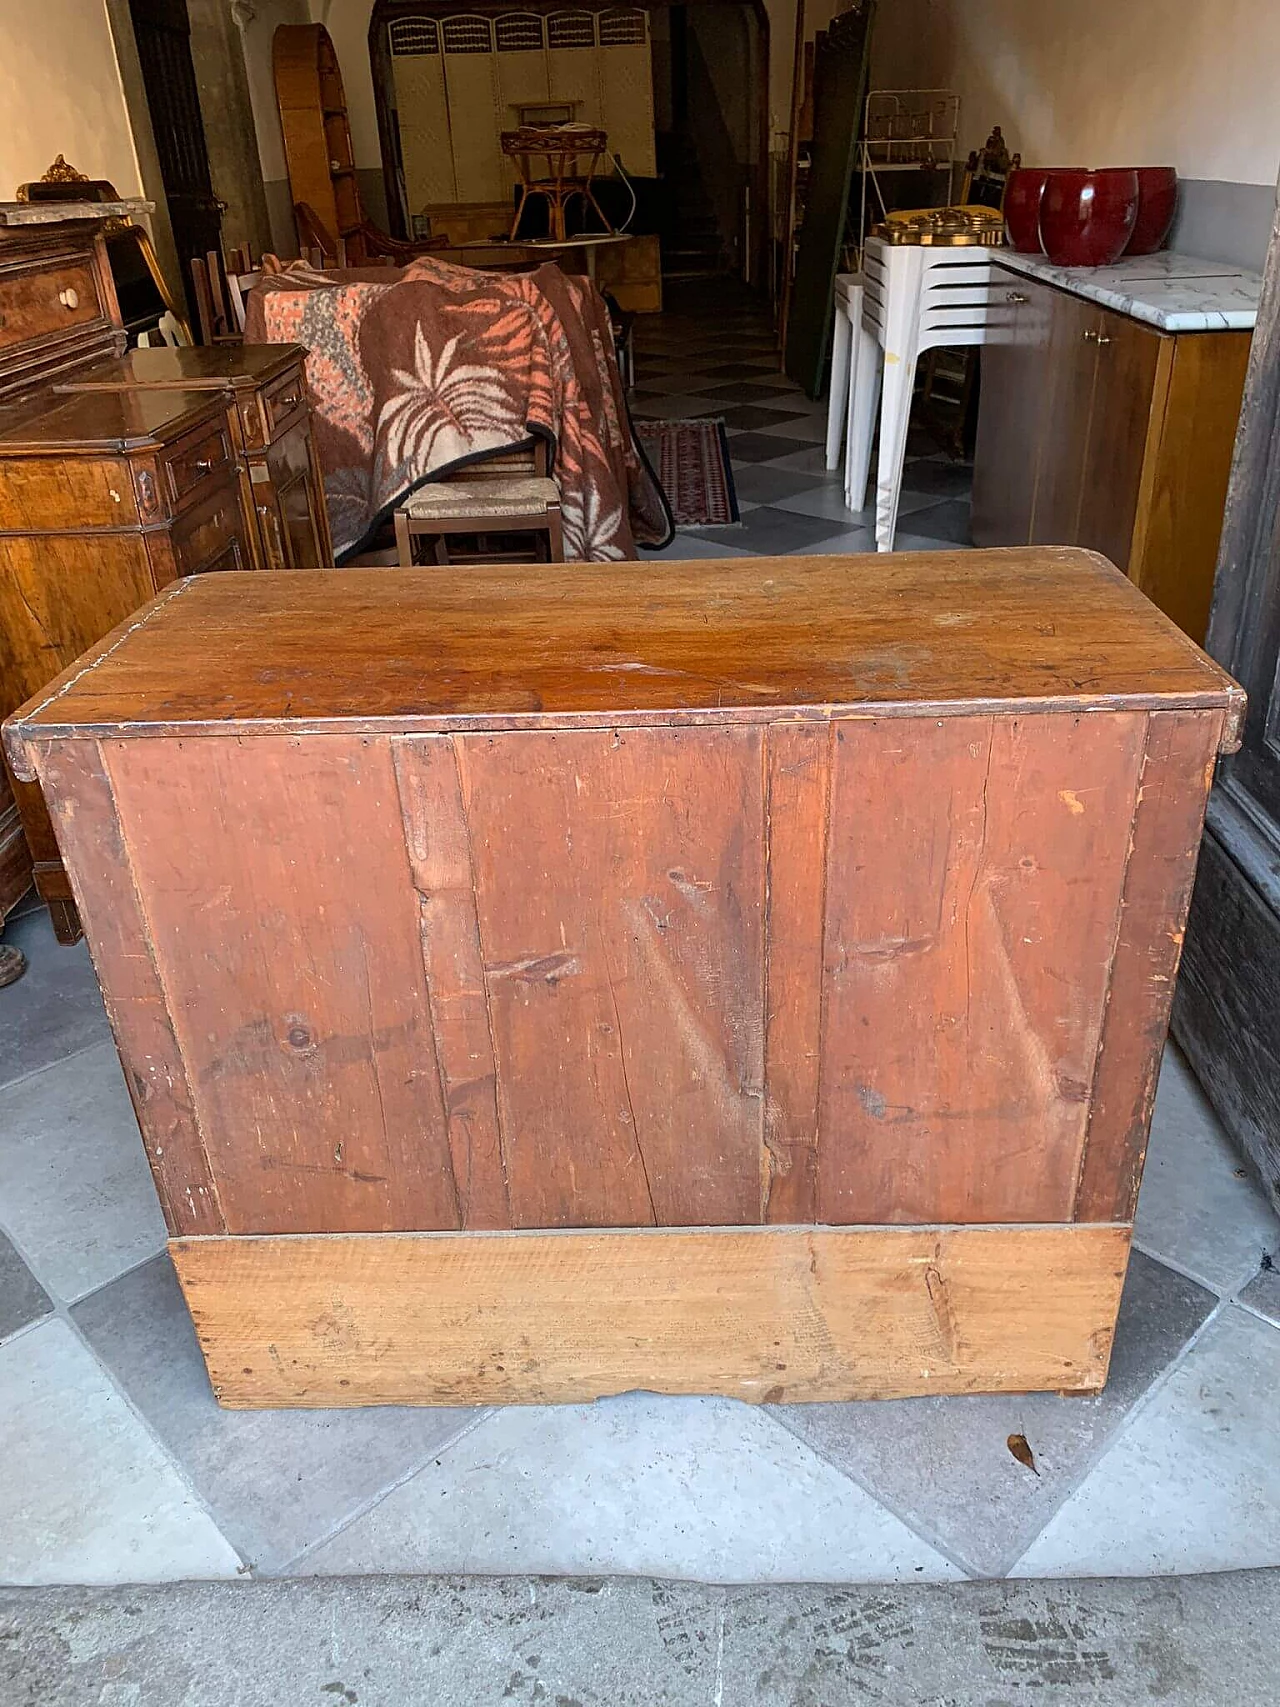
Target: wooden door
[[1227, 1012], [1011, 421], [1072, 363], [1129, 358], [292, 504], [163, 33]]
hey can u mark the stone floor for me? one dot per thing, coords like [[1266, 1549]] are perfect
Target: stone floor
[[119, 1466], [715, 356], [1204, 1641]]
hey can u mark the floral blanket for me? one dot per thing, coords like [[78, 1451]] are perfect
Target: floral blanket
[[441, 366]]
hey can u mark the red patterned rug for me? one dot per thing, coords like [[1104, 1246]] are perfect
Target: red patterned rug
[[691, 461]]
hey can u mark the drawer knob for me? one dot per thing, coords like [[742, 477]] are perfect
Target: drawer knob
[[288, 402], [1099, 338], [203, 466], [70, 297], [1016, 296]]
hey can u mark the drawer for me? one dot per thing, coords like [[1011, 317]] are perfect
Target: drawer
[[211, 536], [282, 399], [45, 300], [200, 456]]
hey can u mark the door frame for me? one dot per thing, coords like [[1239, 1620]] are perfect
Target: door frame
[[1226, 1013], [385, 12]]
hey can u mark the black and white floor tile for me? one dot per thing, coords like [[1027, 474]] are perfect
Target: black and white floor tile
[[710, 356]]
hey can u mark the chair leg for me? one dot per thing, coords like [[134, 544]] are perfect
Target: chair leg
[[404, 541], [555, 535], [442, 550], [895, 414], [837, 404], [515, 223], [864, 394]]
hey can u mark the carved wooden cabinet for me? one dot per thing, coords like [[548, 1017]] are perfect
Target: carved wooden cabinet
[[744, 978], [58, 313], [119, 472], [1096, 429], [104, 499], [264, 390]]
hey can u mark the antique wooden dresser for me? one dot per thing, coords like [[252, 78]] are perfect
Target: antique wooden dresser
[[264, 390], [117, 473], [736, 977]]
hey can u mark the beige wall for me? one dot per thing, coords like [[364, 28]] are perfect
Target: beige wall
[[1097, 82], [60, 93]]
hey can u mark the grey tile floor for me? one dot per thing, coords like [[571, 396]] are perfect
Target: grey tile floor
[[119, 1467], [717, 358]]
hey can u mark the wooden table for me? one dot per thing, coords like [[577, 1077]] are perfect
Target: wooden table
[[530, 251], [736, 977]]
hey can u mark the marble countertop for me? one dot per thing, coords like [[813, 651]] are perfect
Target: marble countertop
[[55, 213], [1177, 293]]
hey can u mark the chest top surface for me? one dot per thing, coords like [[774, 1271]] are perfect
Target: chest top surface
[[102, 420], [628, 644], [196, 368]]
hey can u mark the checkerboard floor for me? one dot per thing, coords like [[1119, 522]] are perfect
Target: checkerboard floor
[[713, 353]]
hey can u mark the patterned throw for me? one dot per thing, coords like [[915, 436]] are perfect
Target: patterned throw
[[691, 459], [440, 366]]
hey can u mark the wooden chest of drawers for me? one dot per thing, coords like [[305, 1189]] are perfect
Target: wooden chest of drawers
[[744, 978], [264, 390], [119, 471], [104, 499]]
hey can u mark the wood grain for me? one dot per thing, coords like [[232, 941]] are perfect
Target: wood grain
[[973, 896], [770, 1315], [288, 947], [619, 886], [797, 805], [79, 791], [438, 841], [622, 645], [1177, 771], [1179, 523]]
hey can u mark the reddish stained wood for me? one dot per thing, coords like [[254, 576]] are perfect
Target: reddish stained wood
[[972, 905], [620, 887], [84, 814], [1177, 772], [798, 761], [277, 891], [440, 857]]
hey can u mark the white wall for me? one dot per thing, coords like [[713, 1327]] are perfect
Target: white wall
[[60, 93], [1185, 83]]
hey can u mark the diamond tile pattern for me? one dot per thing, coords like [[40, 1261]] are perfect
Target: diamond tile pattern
[[121, 1467]]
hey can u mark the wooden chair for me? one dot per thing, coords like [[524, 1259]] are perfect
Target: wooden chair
[[562, 146], [366, 246], [503, 495], [214, 315]]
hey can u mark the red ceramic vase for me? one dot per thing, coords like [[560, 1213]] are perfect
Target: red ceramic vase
[[1087, 218], [1157, 204], [1022, 195]]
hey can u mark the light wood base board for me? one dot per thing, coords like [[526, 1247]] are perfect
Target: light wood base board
[[766, 1314]]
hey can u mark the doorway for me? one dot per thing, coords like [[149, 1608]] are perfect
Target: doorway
[[162, 31], [710, 70]]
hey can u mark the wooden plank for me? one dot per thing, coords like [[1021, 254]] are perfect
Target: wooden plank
[[766, 1314], [798, 757], [619, 886], [620, 645], [83, 809], [1180, 512], [972, 905], [436, 834], [1177, 771], [279, 903]]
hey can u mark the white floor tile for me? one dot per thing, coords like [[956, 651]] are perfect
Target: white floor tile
[[86, 1496], [75, 1189], [1193, 1484], [1194, 1209], [699, 1488]]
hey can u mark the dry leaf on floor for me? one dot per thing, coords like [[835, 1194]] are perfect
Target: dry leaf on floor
[[1022, 1452]]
